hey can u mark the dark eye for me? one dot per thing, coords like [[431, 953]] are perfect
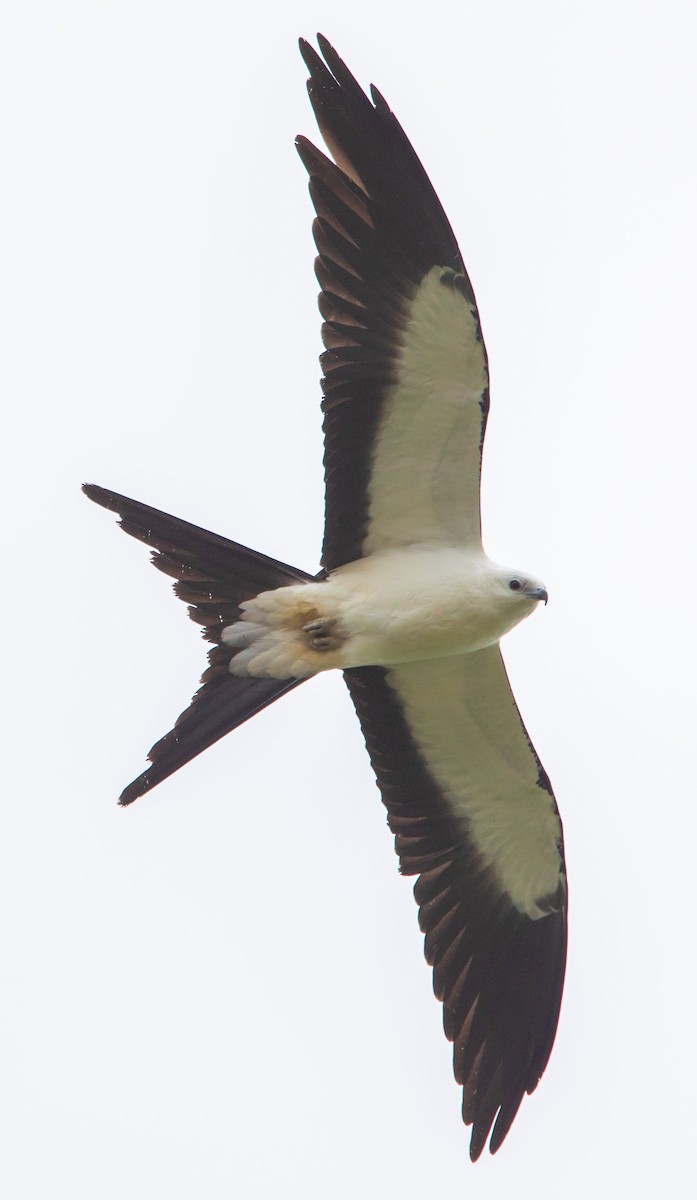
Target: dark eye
[[515, 585]]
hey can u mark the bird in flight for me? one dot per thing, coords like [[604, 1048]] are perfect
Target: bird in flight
[[407, 604]]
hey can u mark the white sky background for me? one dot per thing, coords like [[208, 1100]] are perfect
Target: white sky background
[[220, 991]]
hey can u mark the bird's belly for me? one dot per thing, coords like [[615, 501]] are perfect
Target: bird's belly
[[412, 605]]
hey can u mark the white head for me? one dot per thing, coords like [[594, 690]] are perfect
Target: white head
[[511, 597]]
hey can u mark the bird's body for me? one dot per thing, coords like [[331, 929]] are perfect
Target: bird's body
[[407, 603], [395, 606]]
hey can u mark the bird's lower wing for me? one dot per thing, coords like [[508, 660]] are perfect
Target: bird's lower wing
[[474, 817]]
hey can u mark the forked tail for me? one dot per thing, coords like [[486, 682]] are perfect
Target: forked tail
[[213, 576]]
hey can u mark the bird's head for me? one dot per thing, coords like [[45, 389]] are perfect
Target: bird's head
[[513, 595]]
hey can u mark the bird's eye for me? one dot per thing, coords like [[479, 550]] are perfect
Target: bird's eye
[[515, 585]]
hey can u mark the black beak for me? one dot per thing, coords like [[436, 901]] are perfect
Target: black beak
[[538, 594]]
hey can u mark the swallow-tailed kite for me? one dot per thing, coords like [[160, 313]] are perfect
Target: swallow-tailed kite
[[407, 604]]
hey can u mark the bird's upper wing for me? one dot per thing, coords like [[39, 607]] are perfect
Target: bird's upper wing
[[474, 817], [405, 371]]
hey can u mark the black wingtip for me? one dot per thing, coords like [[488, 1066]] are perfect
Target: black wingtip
[[94, 492], [135, 790], [103, 496], [310, 56], [378, 99], [306, 152], [480, 1134]]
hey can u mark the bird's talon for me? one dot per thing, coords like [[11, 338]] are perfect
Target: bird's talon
[[322, 636]]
